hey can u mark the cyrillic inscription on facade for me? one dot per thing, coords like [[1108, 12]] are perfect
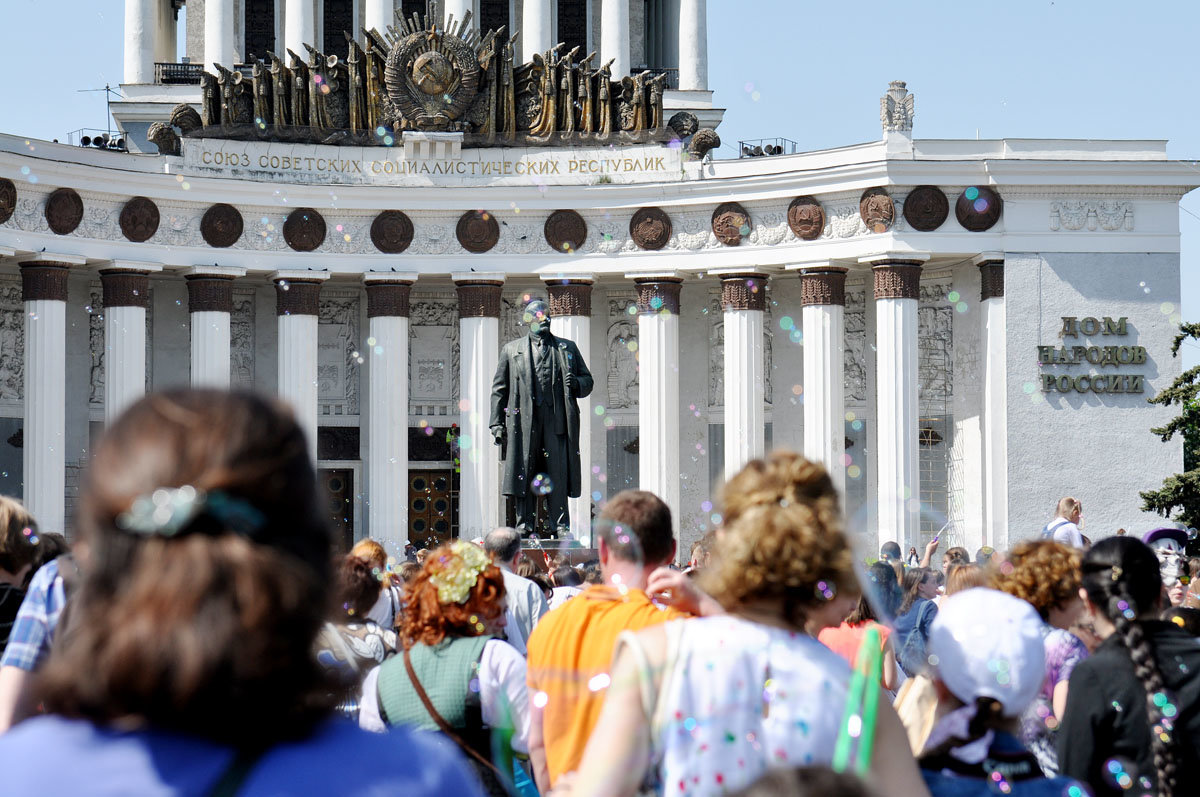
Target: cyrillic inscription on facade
[[1100, 356]]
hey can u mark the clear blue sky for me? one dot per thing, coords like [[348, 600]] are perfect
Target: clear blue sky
[[811, 72]]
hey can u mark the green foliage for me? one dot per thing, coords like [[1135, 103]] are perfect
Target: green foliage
[[1179, 497]]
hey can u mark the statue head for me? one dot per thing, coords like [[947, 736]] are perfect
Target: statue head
[[1168, 545], [537, 315]]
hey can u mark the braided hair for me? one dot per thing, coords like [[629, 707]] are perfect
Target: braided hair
[[1121, 577]]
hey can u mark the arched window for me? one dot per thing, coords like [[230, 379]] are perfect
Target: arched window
[[338, 19], [572, 25], [493, 14], [260, 28]]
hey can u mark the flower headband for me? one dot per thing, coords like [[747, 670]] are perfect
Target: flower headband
[[170, 511], [459, 571]]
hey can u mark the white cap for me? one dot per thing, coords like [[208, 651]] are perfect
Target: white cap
[[986, 643]]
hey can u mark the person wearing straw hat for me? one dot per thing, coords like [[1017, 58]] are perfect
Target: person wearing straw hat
[[988, 663]]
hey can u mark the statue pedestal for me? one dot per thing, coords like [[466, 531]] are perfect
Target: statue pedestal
[[571, 552]]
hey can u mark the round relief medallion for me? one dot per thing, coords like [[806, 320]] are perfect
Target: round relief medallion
[[978, 208], [304, 229], [650, 228], [8, 199], [64, 211], [477, 231], [926, 208], [139, 219], [806, 217], [221, 225], [877, 210], [565, 231], [391, 232], [730, 223]]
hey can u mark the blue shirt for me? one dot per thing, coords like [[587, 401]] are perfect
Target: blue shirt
[[33, 630], [1006, 754], [55, 756]]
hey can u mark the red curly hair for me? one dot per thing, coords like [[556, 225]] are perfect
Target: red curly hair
[[1044, 573], [428, 621]]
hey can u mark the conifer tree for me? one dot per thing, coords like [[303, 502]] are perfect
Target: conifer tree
[[1180, 494]]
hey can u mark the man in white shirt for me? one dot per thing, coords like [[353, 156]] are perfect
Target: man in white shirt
[[1064, 527], [526, 601]]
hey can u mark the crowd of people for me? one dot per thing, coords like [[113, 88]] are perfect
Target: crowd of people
[[199, 637]]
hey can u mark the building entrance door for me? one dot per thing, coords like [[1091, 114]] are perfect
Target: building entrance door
[[338, 484], [432, 507]]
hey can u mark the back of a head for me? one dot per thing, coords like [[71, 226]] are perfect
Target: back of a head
[[955, 555], [205, 564], [503, 544], [358, 589], [567, 576], [890, 550], [1067, 507], [913, 576], [810, 781], [965, 577], [1043, 572], [983, 557], [372, 551], [636, 527], [18, 536], [783, 541], [880, 596]]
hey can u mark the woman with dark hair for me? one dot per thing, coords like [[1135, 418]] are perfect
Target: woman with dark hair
[[876, 606], [1132, 718], [186, 663], [913, 618], [351, 643], [454, 674]]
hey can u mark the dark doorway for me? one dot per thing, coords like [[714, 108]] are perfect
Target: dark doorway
[[259, 24], [338, 20], [572, 25], [432, 507], [338, 484], [493, 15]]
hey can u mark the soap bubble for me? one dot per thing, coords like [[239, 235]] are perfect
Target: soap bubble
[[541, 484]]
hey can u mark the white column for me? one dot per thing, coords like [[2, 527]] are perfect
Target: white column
[[387, 407], [614, 36], [658, 389], [44, 451], [164, 40], [479, 350], [693, 45], [458, 9], [299, 27], [219, 47], [897, 289], [297, 303], [571, 318], [210, 302], [823, 300], [141, 30], [126, 297], [743, 299], [537, 28], [378, 15], [995, 402]]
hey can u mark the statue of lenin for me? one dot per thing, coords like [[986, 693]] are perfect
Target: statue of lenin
[[535, 420]]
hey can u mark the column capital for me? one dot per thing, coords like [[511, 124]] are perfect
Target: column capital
[[479, 294], [210, 293], [570, 296], [897, 279], [991, 280], [388, 293], [298, 292], [44, 280], [743, 290], [125, 287], [657, 293], [823, 285]]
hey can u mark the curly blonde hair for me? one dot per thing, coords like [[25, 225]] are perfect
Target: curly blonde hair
[[1044, 573], [782, 539]]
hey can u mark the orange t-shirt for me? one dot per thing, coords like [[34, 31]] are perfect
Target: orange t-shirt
[[846, 639], [570, 652]]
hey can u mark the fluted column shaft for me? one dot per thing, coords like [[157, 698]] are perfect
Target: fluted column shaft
[[743, 300], [126, 297], [379, 14], [614, 36], [219, 46], [995, 405], [658, 389], [458, 10], [299, 26], [44, 450], [210, 303], [479, 351], [693, 45], [297, 305], [141, 33], [897, 289], [571, 318], [823, 302], [537, 28], [387, 408]]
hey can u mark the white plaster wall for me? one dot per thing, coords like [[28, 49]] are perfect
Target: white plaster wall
[[1097, 448], [965, 477], [694, 324], [171, 341]]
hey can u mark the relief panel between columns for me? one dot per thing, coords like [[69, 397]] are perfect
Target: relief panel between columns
[[242, 339], [12, 340], [338, 353]]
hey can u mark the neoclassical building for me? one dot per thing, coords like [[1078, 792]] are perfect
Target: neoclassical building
[[962, 330]]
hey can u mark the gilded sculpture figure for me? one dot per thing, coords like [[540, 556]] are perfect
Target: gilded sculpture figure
[[420, 75]]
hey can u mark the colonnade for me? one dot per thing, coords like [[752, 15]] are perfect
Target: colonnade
[[896, 282]]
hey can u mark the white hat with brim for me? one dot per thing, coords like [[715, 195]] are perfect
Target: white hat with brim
[[985, 643]]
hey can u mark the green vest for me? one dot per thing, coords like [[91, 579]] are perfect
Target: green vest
[[449, 673]]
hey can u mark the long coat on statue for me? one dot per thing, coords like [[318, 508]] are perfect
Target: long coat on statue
[[512, 408]]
